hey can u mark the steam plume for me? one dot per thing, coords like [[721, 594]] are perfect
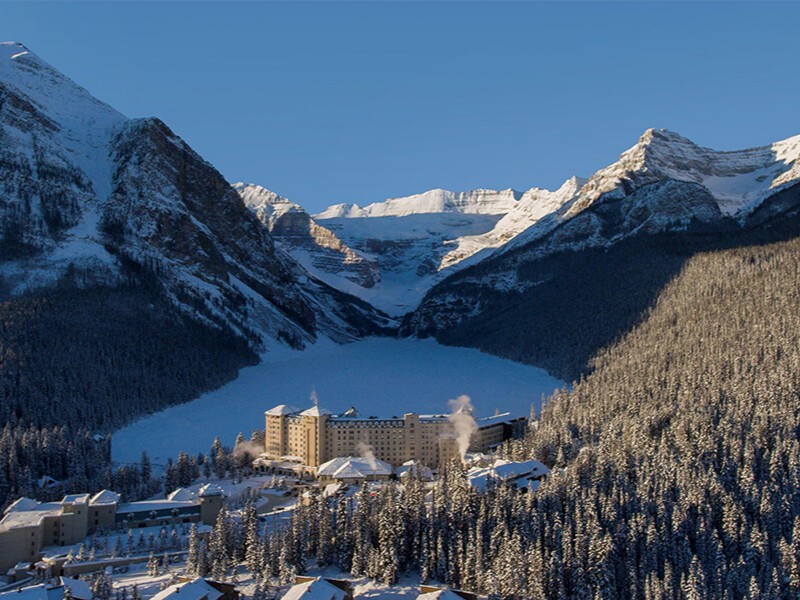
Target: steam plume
[[248, 448], [464, 423], [365, 450]]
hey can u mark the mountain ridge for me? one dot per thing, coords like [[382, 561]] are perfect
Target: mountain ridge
[[663, 182], [92, 193], [87, 188]]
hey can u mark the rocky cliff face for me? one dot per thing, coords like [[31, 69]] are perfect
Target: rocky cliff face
[[90, 193], [317, 248]]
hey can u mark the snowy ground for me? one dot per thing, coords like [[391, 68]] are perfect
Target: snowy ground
[[378, 376]]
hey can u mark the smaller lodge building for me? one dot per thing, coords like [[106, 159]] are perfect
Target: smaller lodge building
[[29, 526]]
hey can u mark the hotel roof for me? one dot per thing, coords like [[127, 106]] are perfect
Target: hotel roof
[[76, 499], [210, 489], [30, 516], [182, 495], [105, 497], [282, 409], [315, 411]]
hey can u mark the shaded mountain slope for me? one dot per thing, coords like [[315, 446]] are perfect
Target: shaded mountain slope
[[579, 278]]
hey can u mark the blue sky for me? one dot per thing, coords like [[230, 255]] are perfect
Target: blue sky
[[356, 102]]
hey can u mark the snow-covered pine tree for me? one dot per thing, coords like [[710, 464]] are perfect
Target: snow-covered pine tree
[[152, 565]]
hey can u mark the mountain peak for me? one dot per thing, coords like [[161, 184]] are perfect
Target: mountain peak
[[654, 136], [266, 204], [433, 201], [12, 50]]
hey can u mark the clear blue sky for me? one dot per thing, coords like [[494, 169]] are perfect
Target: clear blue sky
[[356, 102]]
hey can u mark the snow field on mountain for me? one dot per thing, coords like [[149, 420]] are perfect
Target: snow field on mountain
[[379, 376]]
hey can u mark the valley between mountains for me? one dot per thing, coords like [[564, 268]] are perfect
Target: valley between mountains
[[648, 310], [134, 277]]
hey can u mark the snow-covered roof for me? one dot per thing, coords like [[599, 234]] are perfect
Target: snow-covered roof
[[79, 589], [22, 504], [415, 468], [210, 489], [282, 409], [47, 481], [522, 472], [75, 499], [506, 469], [182, 495], [105, 497], [353, 467], [331, 489], [526, 483], [34, 592], [315, 411], [505, 417], [477, 459], [316, 589], [30, 516], [446, 594], [197, 589]]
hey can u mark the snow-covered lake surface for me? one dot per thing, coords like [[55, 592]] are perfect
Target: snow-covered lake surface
[[378, 376]]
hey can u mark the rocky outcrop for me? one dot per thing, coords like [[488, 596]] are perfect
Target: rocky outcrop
[[315, 246]]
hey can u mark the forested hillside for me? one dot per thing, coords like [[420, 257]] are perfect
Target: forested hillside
[[682, 449], [111, 378], [79, 361], [676, 469]]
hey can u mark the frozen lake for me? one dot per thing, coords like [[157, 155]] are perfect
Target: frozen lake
[[378, 376]]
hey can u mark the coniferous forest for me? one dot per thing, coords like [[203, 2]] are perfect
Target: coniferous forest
[[676, 468], [69, 378], [658, 281], [676, 465]]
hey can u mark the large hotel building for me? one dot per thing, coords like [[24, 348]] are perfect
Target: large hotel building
[[314, 436]]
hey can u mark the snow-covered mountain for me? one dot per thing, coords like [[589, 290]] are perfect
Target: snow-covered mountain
[[666, 197], [88, 194], [318, 249], [92, 196], [666, 181], [419, 240], [534, 205], [737, 180], [478, 202]]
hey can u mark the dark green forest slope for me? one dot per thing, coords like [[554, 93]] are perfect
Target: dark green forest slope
[[676, 467], [99, 358], [682, 448], [75, 362]]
